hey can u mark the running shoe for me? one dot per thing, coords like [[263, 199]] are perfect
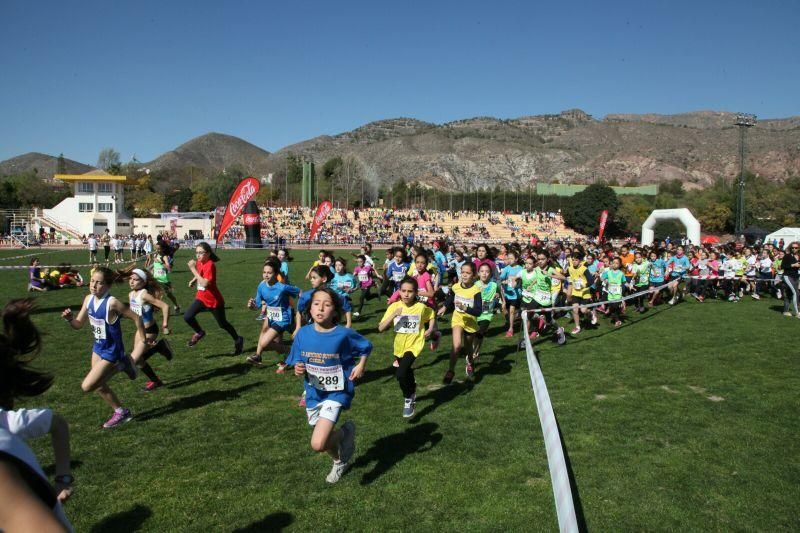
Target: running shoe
[[787, 313], [195, 338], [448, 377], [261, 317], [594, 318], [396, 363], [755, 296], [671, 301], [302, 402], [469, 369], [238, 346], [618, 324], [533, 335], [356, 314], [575, 331], [126, 365], [347, 446], [732, 297], [177, 309], [409, 406], [701, 298], [560, 337], [778, 294], [120, 416], [741, 293], [254, 359], [338, 470], [281, 368], [168, 352], [435, 337], [153, 385], [509, 333]]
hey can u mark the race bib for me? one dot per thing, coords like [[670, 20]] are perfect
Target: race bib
[[136, 307], [363, 276], [527, 294], [643, 278], [275, 314], [158, 270], [487, 306], [423, 299], [98, 326], [577, 284], [615, 289], [407, 324], [326, 378], [398, 276], [512, 282], [199, 288], [345, 285], [657, 272], [730, 274], [462, 303], [543, 297]]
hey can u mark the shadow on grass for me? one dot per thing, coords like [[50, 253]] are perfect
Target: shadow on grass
[[271, 522], [130, 520], [441, 396], [576, 497], [236, 369], [372, 375], [198, 400], [73, 465], [627, 321], [390, 450]]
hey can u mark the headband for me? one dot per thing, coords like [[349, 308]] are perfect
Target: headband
[[141, 273]]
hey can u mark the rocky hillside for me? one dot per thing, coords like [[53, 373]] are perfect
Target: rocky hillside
[[210, 154], [44, 165], [571, 147]]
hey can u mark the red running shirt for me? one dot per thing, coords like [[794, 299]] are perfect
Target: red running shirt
[[210, 297]]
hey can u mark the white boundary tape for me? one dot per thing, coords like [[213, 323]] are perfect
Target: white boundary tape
[[99, 263], [559, 477], [44, 252]]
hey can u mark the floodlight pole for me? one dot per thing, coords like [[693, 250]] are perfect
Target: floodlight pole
[[743, 121]]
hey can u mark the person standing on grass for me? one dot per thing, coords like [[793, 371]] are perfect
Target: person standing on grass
[[208, 297], [464, 301], [92, 243], [325, 354], [790, 264], [275, 297], [145, 294], [581, 281], [27, 500], [103, 313], [408, 316], [105, 240]]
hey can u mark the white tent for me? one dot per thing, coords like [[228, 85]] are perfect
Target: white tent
[[787, 234]]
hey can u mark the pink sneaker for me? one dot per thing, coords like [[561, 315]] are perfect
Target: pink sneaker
[[509, 333], [196, 338], [120, 416], [575, 331]]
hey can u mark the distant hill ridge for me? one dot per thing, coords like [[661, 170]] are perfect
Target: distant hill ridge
[[568, 147]]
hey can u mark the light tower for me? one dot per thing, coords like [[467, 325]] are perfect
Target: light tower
[[744, 121]]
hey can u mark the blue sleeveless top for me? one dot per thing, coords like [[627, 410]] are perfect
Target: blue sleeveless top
[[107, 335]]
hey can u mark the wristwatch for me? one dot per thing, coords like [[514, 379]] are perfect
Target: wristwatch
[[66, 479]]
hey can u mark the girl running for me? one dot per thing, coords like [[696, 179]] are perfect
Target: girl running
[[640, 280], [537, 294], [276, 299], [162, 267], [365, 275], [490, 294], [408, 316], [325, 354], [614, 278], [343, 283], [464, 301], [580, 291], [511, 295], [103, 312], [208, 297], [318, 276], [145, 294]]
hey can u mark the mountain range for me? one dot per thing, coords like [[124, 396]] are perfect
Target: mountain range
[[569, 147]]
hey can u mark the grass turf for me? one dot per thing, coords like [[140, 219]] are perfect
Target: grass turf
[[684, 419]]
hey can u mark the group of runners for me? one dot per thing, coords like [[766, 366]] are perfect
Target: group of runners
[[556, 285]]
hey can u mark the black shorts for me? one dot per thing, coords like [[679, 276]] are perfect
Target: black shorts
[[515, 303], [152, 329], [483, 327]]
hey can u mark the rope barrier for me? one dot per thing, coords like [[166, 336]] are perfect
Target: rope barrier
[[554, 447], [28, 255], [106, 264]]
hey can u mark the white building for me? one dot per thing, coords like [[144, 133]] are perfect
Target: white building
[[97, 204]]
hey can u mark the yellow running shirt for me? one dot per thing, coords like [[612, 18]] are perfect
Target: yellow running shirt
[[409, 327]]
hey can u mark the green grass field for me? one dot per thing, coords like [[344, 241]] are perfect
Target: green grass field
[[684, 419]]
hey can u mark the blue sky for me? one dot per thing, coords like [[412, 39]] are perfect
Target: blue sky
[[144, 77]]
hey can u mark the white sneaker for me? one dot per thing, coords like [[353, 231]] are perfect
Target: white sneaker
[[732, 297], [356, 314], [755, 296], [779, 294], [560, 337], [338, 470], [348, 443], [409, 407], [672, 301]]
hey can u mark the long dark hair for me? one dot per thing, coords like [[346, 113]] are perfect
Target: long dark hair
[[207, 247], [19, 344], [335, 298]]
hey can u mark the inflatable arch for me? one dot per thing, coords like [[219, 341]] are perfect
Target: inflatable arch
[[684, 215]]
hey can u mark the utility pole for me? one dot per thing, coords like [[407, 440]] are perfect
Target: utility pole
[[744, 121]]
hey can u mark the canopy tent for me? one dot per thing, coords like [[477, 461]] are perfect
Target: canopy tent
[[754, 233], [787, 234], [709, 239]]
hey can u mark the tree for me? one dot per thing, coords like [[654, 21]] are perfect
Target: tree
[[180, 197], [61, 164], [583, 212], [715, 218], [632, 212], [266, 195], [108, 160], [201, 202]]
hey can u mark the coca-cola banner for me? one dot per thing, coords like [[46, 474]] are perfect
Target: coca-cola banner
[[246, 190], [322, 213], [603, 220]]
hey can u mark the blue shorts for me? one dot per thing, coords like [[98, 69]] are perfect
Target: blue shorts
[[114, 356], [347, 305], [279, 327]]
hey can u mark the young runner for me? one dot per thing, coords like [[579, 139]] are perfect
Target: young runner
[[537, 294], [640, 280], [408, 316], [580, 291], [464, 301], [397, 269], [208, 297], [658, 269], [678, 266], [490, 295], [29, 502], [162, 268], [325, 354], [145, 294], [511, 292], [275, 298], [614, 278], [366, 276], [103, 312], [343, 283]]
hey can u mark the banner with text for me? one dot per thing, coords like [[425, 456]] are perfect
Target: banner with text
[[322, 213], [244, 192]]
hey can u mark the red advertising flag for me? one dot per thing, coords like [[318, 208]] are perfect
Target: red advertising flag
[[244, 192], [603, 220], [322, 213]]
